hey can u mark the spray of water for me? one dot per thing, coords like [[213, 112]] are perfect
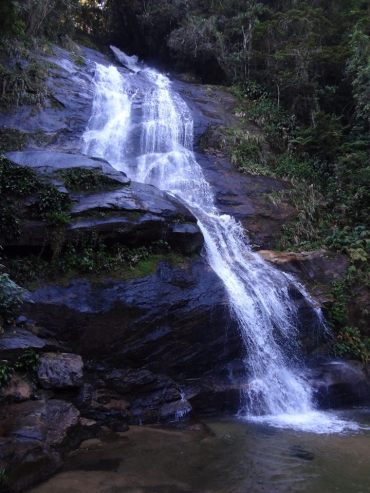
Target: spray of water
[[143, 127]]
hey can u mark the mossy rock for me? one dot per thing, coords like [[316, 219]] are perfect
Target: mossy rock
[[87, 180]]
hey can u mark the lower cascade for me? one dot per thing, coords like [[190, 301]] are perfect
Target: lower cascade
[[143, 127]]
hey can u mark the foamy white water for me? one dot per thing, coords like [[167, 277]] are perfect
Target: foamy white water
[[143, 127]]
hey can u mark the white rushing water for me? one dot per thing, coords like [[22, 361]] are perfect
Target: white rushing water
[[143, 127]]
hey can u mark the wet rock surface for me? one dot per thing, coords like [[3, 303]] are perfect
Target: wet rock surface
[[60, 370], [17, 339], [60, 122], [339, 383], [49, 163], [33, 437], [173, 321]]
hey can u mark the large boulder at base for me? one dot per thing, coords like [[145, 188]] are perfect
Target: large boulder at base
[[33, 436], [117, 396], [60, 370], [14, 341], [340, 383]]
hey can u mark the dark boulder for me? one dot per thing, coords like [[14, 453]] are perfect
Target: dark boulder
[[116, 397], [14, 341], [18, 389], [33, 437], [60, 370], [340, 383]]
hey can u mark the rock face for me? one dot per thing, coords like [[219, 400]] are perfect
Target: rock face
[[32, 437], [144, 350], [174, 321], [60, 122], [60, 370]]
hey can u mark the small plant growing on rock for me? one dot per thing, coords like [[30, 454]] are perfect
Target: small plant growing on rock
[[3, 476], [52, 201], [87, 180], [6, 371], [11, 297], [27, 362]]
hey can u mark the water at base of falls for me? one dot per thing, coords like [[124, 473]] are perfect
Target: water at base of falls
[[143, 127]]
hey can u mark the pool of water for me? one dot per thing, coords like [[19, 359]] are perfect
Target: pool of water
[[227, 456]]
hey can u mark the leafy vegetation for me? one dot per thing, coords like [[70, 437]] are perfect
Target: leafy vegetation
[[23, 85], [351, 344], [91, 257], [87, 180], [18, 183], [11, 297], [3, 477], [26, 363]]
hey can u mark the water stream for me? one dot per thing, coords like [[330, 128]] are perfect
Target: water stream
[[142, 126]]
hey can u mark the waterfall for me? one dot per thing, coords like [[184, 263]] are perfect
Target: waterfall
[[143, 127]]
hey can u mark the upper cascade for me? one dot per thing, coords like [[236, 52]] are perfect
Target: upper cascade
[[145, 128]]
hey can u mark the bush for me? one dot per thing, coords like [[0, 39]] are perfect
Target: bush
[[246, 152]]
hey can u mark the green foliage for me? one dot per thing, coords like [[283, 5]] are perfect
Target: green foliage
[[87, 180], [52, 203], [351, 344], [358, 66], [277, 124], [12, 140], [355, 242], [18, 183], [339, 310], [16, 180], [6, 372], [289, 165], [90, 255], [246, 151], [27, 362], [11, 297], [23, 84], [3, 476], [79, 60]]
